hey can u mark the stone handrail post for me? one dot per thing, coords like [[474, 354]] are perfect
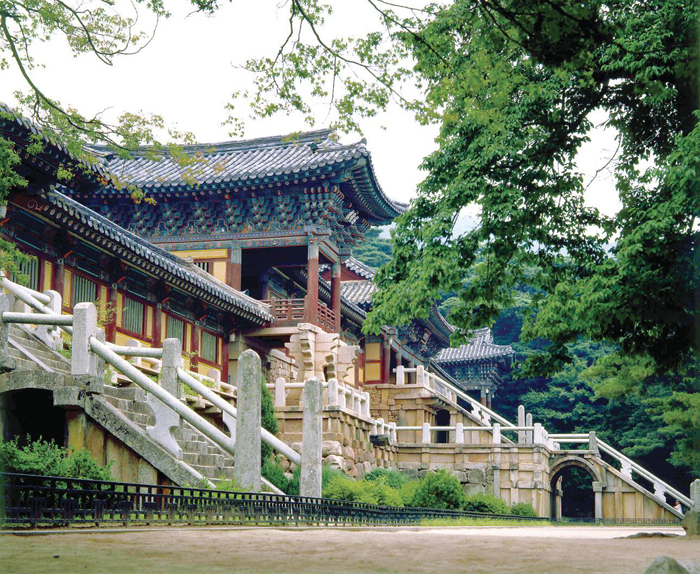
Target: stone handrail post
[[400, 375], [459, 433], [247, 464], [215, 374], [365, 405], [521, 423], [280, 392], [311, 441], [356, 402], [53, 335], [592, 442], [496, 433], [538, 437], [171, 361], [420, 376], [7, 363], [83, 362], [528, 423], [332, 393], [425, 434], [392, 432], [379, 426], [138, 344]]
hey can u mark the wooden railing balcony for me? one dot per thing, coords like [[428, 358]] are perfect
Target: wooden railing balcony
[[292, 311]]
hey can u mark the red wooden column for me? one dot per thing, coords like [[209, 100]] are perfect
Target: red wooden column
[[234, 271], [483, 397], [111, 327], [196, 334], [59, 273], [225, 359], [335, 294], [312, 284], [157, 322], [386, 361]]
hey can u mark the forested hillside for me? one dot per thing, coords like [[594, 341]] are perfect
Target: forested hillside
[[658, 426]]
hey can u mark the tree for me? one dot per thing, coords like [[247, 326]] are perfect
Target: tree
[[375, 251], [513, 86]]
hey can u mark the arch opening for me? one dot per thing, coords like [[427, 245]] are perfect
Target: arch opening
[[30, 414]]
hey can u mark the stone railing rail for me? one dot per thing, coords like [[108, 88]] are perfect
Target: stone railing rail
[[539, 434], [627, 465]]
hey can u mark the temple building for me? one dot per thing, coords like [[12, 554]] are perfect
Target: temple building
[[237, 246], [244, 242]]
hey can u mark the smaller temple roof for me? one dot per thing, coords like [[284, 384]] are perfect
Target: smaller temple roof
[[480, 347], [359, 292], [362, 269]]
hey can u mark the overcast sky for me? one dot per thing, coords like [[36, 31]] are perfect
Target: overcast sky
[[187, 75]]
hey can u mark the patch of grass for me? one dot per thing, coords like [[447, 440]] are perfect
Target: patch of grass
[[466, 521]]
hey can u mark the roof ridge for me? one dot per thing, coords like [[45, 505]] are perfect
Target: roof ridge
[[241, 145]]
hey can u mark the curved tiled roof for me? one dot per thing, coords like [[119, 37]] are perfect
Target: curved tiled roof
[[357, 266], [260, 161], [148, 253], [358, 292], [480, 347]]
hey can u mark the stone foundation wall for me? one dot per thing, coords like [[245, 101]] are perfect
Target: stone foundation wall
[[346, 440]]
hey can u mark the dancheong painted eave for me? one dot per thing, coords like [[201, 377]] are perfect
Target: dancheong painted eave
[[250, 165]]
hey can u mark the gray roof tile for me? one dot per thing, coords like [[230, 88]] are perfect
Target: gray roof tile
[[480, 347]]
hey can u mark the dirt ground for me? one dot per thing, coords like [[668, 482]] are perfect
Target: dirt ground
[[381, 550]]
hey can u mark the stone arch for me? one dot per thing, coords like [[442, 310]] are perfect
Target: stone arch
[[560, 464], [31, 412]]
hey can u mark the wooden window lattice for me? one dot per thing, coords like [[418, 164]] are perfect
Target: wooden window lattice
[[31, 270], [176, 330], [133, 316], [209, 347], [84, 290]]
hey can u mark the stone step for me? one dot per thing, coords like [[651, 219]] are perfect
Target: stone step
[[139, 419], [215, 460], [214, 473], [23, 364], [194, 446], [128, 393]]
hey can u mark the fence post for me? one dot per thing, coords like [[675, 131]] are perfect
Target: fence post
[[521, 423], [172, 357], [425, 436], [400, 375], [280, 393], [356, 402], [392, 432], [496, 433], [247, 465], [7, 363], [83, 361], [311, 439], [459, 433], [528, 434]]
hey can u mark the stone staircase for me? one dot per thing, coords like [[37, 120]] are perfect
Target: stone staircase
[[31, 354], [198, 452]]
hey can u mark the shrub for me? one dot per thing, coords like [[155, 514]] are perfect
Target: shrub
[[523, 509], [440, 490], [366, 491], [228, 484], [272, 470], [393, 478], [268, 421], [485, 503], [408, 492], [46, 458], [327, 473]]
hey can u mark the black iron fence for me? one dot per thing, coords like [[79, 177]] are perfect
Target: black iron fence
[[29, 500]]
